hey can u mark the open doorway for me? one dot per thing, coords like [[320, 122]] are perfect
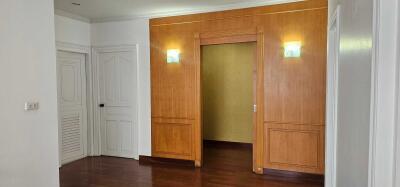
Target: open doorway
[[228, 78]]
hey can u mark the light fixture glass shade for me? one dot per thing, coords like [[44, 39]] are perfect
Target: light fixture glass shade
[[173, 56], [292, 49]]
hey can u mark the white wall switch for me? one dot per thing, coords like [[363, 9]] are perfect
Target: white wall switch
[[29, 106]]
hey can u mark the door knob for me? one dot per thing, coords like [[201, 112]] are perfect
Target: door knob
[[101, 105]]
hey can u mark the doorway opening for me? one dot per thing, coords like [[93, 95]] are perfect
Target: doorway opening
[[228, 82]]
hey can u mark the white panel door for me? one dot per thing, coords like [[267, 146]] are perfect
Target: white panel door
[[117, 86], [71, 85]]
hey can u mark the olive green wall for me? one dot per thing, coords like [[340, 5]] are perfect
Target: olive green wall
[[227, 78]]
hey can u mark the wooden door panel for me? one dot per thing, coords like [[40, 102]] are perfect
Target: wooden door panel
[[294, 147], [172, 85], [295, 87], [172, 140]]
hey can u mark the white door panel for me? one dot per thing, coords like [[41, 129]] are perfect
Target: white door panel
[[71, 85], [72, 141], [117, 86]]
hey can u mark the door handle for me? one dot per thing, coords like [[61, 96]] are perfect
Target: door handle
[[101, 105]]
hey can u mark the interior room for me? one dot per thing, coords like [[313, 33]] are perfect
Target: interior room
[[228, 82], [269, 93]]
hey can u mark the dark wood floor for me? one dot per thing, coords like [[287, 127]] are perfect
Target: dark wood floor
[[224, 165]]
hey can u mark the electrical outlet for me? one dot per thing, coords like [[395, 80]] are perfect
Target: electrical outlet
[[29, 106]]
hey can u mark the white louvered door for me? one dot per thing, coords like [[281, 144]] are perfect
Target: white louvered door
[[72, 105]]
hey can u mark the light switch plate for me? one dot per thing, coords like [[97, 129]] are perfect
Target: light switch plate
[[30, 106]]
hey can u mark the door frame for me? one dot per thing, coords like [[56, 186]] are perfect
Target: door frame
[[225, 37], [397, 132], [96, 95], [331, 102], [384, 128], [85, 50]]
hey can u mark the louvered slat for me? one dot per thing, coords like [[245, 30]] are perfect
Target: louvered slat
[[71, 134]]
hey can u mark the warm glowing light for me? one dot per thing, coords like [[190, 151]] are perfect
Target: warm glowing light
[[173, 56], [292, 49]]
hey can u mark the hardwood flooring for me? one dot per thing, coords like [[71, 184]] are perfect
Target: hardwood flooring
[[224, 165]]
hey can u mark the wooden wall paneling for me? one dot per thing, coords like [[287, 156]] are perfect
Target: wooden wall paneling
[[170, 136], [173, 94], [239, 13], [295, 92], [228, 36], [227, 40], [172, 84], [233, 25], [293, 95], [295, 147], [171, 140], [258, 144], [198, 129], [295, 88]]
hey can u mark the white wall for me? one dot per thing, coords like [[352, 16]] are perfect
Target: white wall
[[28, 140], [72, 31], [367, 92], [354, 91], [130, 33]]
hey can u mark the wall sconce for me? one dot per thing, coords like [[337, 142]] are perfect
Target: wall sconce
[[173, 56], [292, 49]]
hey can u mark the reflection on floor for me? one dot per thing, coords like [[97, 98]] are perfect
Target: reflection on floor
[[224, 165]]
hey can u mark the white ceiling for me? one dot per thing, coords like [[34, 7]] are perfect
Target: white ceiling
[[103, 10]]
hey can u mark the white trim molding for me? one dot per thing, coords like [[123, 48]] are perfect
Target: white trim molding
[[383, 94], [397, 133], [70, 47], [374, 89], [71, 15], [332, 98]]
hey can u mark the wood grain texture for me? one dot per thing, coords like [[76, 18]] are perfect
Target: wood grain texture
[[198, 127], [259, 140], [295, 147], [290, 92], [295, 87], [224, 165]]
